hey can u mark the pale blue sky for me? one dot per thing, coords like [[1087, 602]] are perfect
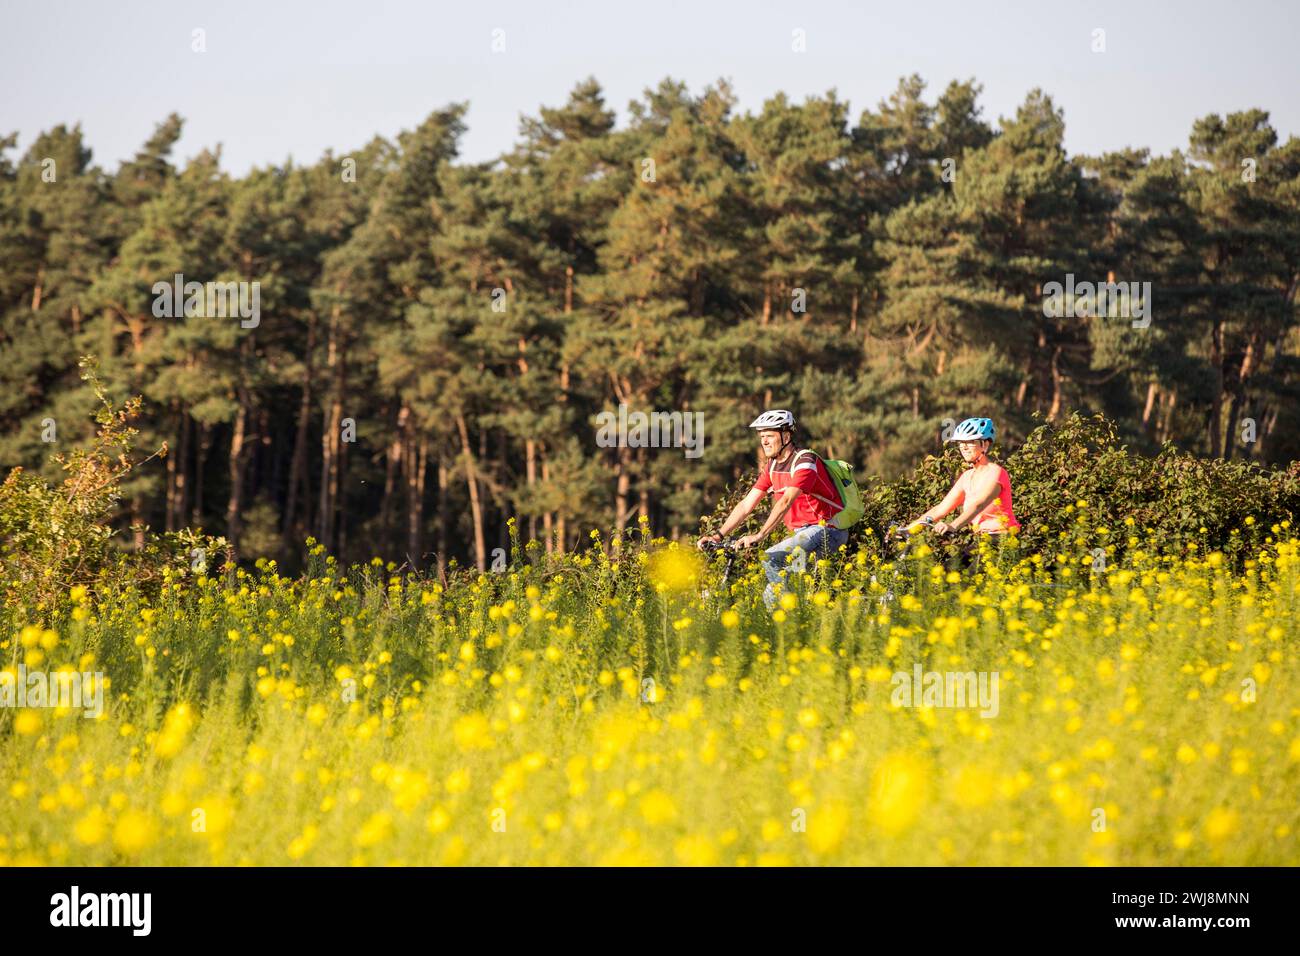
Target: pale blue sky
[[283, 80]]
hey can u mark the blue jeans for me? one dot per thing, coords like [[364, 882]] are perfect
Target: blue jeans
[[810, 539]]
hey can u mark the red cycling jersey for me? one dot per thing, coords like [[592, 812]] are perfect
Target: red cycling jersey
[[807, 472]]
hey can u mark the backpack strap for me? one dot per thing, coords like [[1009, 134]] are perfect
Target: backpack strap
[[837, 505]]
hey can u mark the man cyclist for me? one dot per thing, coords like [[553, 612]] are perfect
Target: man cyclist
[[805, 498]]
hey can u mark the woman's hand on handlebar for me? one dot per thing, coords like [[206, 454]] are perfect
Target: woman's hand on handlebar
[[915, 527], [708, 539]]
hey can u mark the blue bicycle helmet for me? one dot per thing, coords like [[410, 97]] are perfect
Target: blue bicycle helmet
[[973, 429]]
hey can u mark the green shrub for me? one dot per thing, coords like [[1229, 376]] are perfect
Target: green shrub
[[53, 538], [1174, 498]]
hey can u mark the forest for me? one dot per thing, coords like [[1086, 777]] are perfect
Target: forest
[[412, 350]]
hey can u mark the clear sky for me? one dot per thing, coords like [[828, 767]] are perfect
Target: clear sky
[[281, 80]]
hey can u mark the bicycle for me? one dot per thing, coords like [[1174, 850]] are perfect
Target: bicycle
[[731, 549], [896, 535]]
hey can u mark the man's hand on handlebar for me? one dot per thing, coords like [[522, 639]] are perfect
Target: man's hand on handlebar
[[714, 542], [708, 541]]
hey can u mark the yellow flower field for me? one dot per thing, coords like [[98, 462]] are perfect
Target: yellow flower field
[[596, 709]]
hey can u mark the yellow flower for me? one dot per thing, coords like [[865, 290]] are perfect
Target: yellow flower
[[176, 726], [375, 830], [973, 786], [472, 732], [212, 816], [658, 807], [457, 781], [439, 820], [92, 828], [696, 851], [27, 722], [899, 789], [827, 827], [133, 833], [1220, 824], [674, 570], [301, 844]]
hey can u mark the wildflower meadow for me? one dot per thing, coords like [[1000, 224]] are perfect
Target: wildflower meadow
[[618, 706]]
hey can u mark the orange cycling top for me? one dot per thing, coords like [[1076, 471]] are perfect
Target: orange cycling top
[[997, 517]]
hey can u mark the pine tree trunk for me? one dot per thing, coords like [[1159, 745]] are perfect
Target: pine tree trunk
[[1249, 362], [1152, 390], [530, 481], [1166, 429], [1055, 408], [394, 466], [137, 522], [548, 523], [205, 443], [169, 521], [183, 456], [622, 486], [417, 464], [1232, 432], [563, 399], [1216, 406], [299, 483], [443, 504], [1270, 422], [475, 506], [331, 440], [1044, 372], [236, 467], [503, 529]]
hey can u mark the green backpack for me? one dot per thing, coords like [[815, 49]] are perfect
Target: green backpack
[[850, 507]]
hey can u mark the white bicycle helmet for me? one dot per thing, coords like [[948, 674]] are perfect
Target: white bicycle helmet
[[776, 419]]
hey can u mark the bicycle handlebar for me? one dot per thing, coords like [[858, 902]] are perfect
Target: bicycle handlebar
[[726, 544], [904, 533]]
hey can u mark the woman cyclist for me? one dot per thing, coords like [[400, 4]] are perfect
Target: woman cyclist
[[982, 492]]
